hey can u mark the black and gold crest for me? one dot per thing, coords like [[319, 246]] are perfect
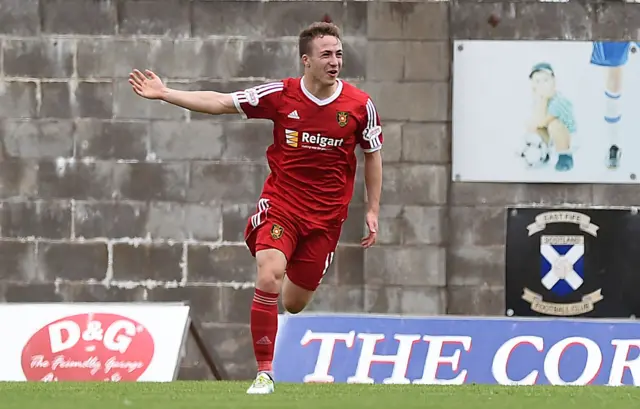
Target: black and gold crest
[[343, 118], [276, 231], [572, 262]]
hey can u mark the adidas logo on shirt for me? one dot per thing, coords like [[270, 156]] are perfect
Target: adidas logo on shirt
[[294, 115]]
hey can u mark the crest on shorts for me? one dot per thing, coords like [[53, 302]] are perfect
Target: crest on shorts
[[343, 118], [276, 231]]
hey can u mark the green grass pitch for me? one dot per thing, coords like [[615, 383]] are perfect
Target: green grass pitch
[[222, 395]]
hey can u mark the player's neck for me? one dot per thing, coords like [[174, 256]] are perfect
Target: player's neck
[[317, 89]]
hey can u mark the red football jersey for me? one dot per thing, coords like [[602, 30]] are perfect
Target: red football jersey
[[312, 158]]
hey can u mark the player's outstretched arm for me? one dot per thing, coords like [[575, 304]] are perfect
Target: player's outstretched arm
[[150, 86]]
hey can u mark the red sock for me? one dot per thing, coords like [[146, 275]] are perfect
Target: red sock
[[264, 326]]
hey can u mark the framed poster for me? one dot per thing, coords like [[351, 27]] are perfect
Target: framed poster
[[572, 262], [546, 111]]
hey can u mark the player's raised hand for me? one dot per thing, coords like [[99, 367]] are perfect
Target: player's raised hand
[[147, 85], [372, 225]]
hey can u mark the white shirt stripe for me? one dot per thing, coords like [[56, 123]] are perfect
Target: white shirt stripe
[[372, 122], [261, 91]]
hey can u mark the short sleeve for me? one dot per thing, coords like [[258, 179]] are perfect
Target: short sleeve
[[562, 109], [556, 107], [259, 101], [371, 138]]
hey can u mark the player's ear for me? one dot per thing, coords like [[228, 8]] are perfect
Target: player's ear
[[305, 60]]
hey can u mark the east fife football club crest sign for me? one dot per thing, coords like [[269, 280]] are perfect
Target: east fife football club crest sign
[[558, 264]]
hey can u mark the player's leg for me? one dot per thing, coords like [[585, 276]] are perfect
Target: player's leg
[[294, 297], [308, 266], [561, 137], [612, 55], [271, 238], [271, 264], [561, 129], [613, 114]]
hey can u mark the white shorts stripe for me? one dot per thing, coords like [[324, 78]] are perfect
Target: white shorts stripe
[[263, 206], [327, 264]]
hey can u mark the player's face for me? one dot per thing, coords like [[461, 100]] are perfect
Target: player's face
[[543, 84], [325, 60]]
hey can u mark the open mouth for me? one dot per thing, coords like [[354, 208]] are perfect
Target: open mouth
[[333, 73]]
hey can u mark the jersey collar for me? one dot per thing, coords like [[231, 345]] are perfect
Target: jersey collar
[[317, 100]]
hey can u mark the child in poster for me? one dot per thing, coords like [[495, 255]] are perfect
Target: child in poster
[[552, 117]]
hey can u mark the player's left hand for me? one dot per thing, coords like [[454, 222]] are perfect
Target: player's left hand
[[372, 225]]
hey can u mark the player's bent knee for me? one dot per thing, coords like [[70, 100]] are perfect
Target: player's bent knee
[[295, 298], [271, 267], [294, 306]]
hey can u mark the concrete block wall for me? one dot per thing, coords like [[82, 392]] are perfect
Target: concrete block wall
[[108, 197]]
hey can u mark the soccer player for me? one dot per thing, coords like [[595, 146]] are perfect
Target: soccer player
[[613, 56], [318, 122]]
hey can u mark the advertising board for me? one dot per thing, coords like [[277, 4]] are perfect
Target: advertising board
[[446, 350], [92, 341]]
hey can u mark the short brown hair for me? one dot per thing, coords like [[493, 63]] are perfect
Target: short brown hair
[[315, 30]]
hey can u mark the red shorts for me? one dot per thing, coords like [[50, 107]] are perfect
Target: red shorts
[[309, 249]]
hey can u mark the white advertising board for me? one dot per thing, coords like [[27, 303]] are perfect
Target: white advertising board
[[114, 342], [546, 111]]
